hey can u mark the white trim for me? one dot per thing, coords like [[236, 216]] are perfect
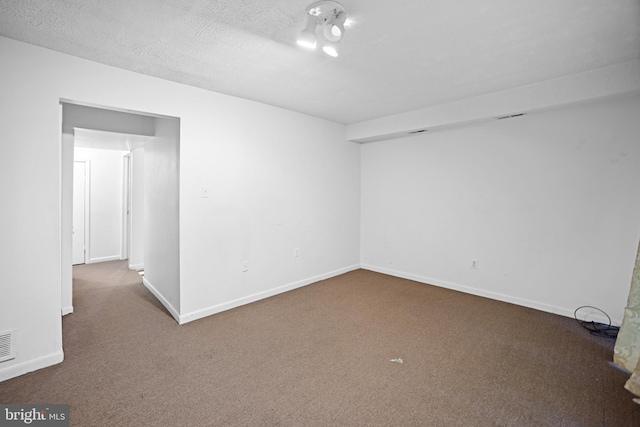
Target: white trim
[[22, 368], [563, 311], [67, 310], [162, 299], [136, 267], [103, 259], [199, 314]]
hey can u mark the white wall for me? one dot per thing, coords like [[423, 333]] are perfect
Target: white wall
[[161, 219], [66, 228], [277, 180], [29, 187], [547, 203], [136, 248], [105, 205]]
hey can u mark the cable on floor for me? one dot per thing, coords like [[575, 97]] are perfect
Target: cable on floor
[[597, 328]]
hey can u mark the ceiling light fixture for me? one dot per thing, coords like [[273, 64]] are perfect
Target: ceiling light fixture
[[307, 38], [325, 19], [334, 28]]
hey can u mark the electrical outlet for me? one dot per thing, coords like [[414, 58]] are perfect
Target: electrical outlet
[[474, 264], [296, 252], [245, 266]]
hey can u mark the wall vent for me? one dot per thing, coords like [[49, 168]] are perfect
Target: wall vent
[[7, 345], [510, 116]]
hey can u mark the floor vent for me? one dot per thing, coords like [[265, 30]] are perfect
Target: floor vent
[[7, 345]]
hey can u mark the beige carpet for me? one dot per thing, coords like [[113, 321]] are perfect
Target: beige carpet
[[321, 356]]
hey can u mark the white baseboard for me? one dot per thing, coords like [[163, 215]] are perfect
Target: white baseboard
[[162, 299], [199, 314], [22, 368], [136, 267], [549, 308], [67, 310], [103, 259]]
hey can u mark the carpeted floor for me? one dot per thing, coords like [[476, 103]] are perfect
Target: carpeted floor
[[321, 356]]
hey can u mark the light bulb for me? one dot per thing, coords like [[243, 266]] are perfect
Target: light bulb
[[330, 50]]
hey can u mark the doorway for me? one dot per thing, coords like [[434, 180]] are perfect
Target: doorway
[[148, 234]]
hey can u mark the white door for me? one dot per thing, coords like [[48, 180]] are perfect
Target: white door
[[78, 241]]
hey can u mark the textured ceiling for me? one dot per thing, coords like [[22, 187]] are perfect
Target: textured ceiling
[[395, 57]]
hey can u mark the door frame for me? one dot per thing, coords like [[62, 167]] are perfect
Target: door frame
[[87, 208], [125, 240]]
